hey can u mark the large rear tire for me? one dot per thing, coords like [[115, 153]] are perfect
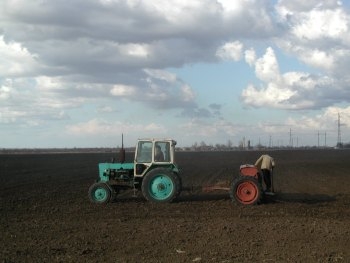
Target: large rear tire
[[161, 186], [99, 193], [246, 190]]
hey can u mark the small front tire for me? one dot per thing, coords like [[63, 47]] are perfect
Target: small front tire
[[99, 193]]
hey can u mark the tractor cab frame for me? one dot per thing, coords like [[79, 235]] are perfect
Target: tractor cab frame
[[151, 153]]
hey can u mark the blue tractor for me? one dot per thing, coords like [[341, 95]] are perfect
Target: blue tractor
[[153, 172]]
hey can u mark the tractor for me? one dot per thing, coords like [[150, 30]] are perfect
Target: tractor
[[153, 172], [156, 175]]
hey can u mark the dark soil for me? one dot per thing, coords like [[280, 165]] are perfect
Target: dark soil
[[46, 215]]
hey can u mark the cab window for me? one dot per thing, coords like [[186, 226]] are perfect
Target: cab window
[[144, 152], [162, 152]]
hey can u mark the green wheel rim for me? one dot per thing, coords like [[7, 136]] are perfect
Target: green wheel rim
[[161, 187], [100, 194]]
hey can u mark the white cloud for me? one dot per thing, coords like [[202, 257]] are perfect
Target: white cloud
[[105, 109], [135, 50], [324, 121], [5, 90], [46, 83], [16, 60], [317, 33], [187, 93], [211, 132], [230, 51], [250, 56], [178, 12], [29, 101], [266, 67], [299, 79], [161, 75], [291, 90], [306, 123], [300, 5], [331, 114], [198, 128], [318, 59], [164, 90], [318, 24], [272, 96], [286, 8], [107, 128], [93, 127], [231, 6], [123, 90], [8, 115]]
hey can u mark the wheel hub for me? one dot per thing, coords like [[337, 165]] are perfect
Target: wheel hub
[[100, 194], [247, 192], [161, 187]]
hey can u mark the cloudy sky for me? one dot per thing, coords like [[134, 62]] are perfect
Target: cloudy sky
[[80, 73]]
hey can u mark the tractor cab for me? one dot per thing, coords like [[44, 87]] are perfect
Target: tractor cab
[[152, 153]]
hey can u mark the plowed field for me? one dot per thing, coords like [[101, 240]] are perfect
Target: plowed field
[[46, 215]]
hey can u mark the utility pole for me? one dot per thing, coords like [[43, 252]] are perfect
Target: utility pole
[[339, 132]]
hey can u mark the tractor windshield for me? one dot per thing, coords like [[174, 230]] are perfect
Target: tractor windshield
[[144, 152]]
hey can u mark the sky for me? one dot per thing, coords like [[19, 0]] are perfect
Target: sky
[[80, 73]]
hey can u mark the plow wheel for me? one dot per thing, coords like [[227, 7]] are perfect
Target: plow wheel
[[161, 186], [246, 190], [99, 193]]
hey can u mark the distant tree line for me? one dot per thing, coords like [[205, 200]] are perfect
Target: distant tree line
[[246, 145]]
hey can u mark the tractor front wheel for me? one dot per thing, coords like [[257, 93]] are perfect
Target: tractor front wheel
[[161, 186], [246, 190], [99, 193]]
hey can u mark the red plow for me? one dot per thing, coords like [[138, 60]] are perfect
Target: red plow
[[246, 189]]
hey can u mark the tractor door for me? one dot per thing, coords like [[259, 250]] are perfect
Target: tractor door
[[143, 157]]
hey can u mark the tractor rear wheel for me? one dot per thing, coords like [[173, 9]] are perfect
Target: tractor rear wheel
[[246, 190], [99, 193], [161, 186]]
